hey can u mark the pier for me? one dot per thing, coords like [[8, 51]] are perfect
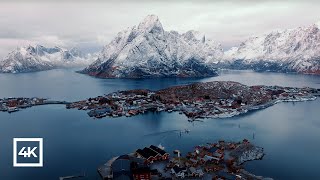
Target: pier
[[105, 170]]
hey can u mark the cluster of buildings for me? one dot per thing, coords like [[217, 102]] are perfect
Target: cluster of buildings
[[211, 161], [125, 103], [14, 104], [201, 100], [152, 154], [212, 99]]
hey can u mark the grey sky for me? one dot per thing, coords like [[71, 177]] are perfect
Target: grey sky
[[92, 24]]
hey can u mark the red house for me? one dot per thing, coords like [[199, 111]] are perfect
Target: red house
[[141, 174], [12, 103], [163, 154], [148, 154]]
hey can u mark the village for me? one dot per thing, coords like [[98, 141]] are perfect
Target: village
[[220, 160], [200, 100], [216, 99], [12, 104]]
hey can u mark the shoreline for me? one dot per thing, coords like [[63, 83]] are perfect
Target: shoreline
[[212, 160], [194, 102], [194, 105]]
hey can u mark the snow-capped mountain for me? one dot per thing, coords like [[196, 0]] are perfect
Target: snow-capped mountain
[[39, 58], [292, 50], [147, 50]]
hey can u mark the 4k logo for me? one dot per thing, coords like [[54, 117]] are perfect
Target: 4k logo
[[27, 152]]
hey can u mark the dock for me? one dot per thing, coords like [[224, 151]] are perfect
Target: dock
[[105, 170]]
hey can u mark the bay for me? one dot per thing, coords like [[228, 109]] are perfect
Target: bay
[[75, 143]]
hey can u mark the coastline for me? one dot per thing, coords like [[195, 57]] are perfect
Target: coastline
[[213, 160], [193, 103]]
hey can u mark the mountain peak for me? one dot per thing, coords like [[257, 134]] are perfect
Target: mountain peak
[[190, 35], [150, 23], [150, 51], [150, 19]]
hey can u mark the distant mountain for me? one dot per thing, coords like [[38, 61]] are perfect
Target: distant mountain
[[292, 50], [39, 58], [149, 51]]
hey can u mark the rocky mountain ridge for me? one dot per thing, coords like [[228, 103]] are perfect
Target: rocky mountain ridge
[[291, 50], [147, 50]]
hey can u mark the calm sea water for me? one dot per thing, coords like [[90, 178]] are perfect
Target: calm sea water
[[75, 143]]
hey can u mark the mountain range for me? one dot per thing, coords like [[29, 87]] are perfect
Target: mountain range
[[291, 50], [40, 58], [147, 50]]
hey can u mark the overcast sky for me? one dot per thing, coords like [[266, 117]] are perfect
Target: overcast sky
[[92, 24]]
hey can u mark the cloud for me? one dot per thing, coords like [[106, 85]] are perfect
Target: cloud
[[50, 41], [92, 24], [8, 44]]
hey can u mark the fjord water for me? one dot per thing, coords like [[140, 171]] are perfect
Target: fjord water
[[75, 143]]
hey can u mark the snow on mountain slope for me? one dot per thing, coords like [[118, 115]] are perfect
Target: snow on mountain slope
[[39, 58], [292, 50], [149, 51]]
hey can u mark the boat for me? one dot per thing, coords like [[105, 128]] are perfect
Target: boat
[[191, 119], [101, 116], [160, 146], [160, 109], [12, 109]]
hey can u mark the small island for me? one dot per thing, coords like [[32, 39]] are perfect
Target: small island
[[13, 104], [220, 160], [216, 99]]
